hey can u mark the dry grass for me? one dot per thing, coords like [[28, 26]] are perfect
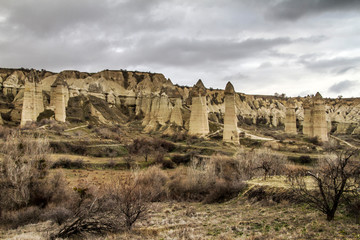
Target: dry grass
[[237, 219]]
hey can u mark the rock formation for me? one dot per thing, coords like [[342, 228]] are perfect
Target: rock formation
[[176, 115], [199, 123], [290, 118], [315, 124], [230, 119], [33, 100], [130, 94], [307, 122], [59, 96], [319, 119]]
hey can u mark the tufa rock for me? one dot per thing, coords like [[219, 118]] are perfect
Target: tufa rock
[[230, 119]]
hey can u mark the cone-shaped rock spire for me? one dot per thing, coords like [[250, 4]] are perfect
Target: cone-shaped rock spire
[[230, 119]]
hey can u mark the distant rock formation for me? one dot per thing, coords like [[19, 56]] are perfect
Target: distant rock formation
[[290, 118], [176, 115], [230, 119], [320, 128], [315, 124], [59, 97], [199, 123], [33, 100], [119, 95]]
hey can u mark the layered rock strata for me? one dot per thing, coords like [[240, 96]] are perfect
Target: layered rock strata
[[33, 100], [290, 118], [315, 124], [320, 128], [230, 133], [59, 97], [199, 123]]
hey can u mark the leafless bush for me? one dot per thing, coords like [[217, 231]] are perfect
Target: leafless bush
[[130, 199], [214, 180], [93, 215], [260, 162], [27, 189], [23, 165], [4, 131], [118, 206], [155, 180], [325, 185]]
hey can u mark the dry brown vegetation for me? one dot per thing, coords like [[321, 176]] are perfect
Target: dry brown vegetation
[[207, 197]]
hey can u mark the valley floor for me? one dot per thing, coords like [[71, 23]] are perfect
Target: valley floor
[[236, 219]]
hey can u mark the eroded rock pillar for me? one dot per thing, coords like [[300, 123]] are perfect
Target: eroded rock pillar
[[199, 123], [290, 118], [230, 120]]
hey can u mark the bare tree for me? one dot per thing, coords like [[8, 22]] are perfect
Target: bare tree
[[24, 165], [260, 162], [130, 199], [325, 185], [93, 215]]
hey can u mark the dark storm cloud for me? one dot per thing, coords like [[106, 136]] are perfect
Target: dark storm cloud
[[343, 86], [295, 9]]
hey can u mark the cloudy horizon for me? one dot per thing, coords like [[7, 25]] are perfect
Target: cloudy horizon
[[261, 46]]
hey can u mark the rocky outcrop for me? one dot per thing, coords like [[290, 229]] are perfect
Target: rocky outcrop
[[32, 100], [290, 118], [230, 133], [199, 123], [176, 115], [315, 124], [59, 97], [146, 96], [320, 128]]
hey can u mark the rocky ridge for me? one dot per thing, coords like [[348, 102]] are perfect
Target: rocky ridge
[[115, 96]]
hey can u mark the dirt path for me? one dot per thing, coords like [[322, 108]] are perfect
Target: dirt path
[[74, 128], [343, 141]]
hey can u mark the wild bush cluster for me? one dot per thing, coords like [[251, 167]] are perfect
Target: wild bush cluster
[[29, 192]]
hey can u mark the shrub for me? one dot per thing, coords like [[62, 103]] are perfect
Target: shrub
[[167, 164], [155, 180], [69, 164], [56, 214], [303, 159], [314, 140], [333, 176], [210, 181], [25, 184], [181, 159]]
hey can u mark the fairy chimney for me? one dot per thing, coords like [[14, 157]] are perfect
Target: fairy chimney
[[33, 103], [290, 118], [199, 123], [58, 97], [230, 120]]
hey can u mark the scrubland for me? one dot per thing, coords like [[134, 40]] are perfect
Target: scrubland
[[93, 182]]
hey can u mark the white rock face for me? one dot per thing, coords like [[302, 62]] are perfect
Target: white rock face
[[199, 120], [33, 100], [290, 119], [230, 119], [176, 115]]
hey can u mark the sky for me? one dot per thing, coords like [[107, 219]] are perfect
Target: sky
[[262, 46]]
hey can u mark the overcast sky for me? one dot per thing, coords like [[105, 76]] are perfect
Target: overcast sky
[[262, 46]]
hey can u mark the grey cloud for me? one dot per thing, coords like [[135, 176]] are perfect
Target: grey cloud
[[190, 52], [338, 65], [48, 18], [296, 9], [265, 65], [343, 86]]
